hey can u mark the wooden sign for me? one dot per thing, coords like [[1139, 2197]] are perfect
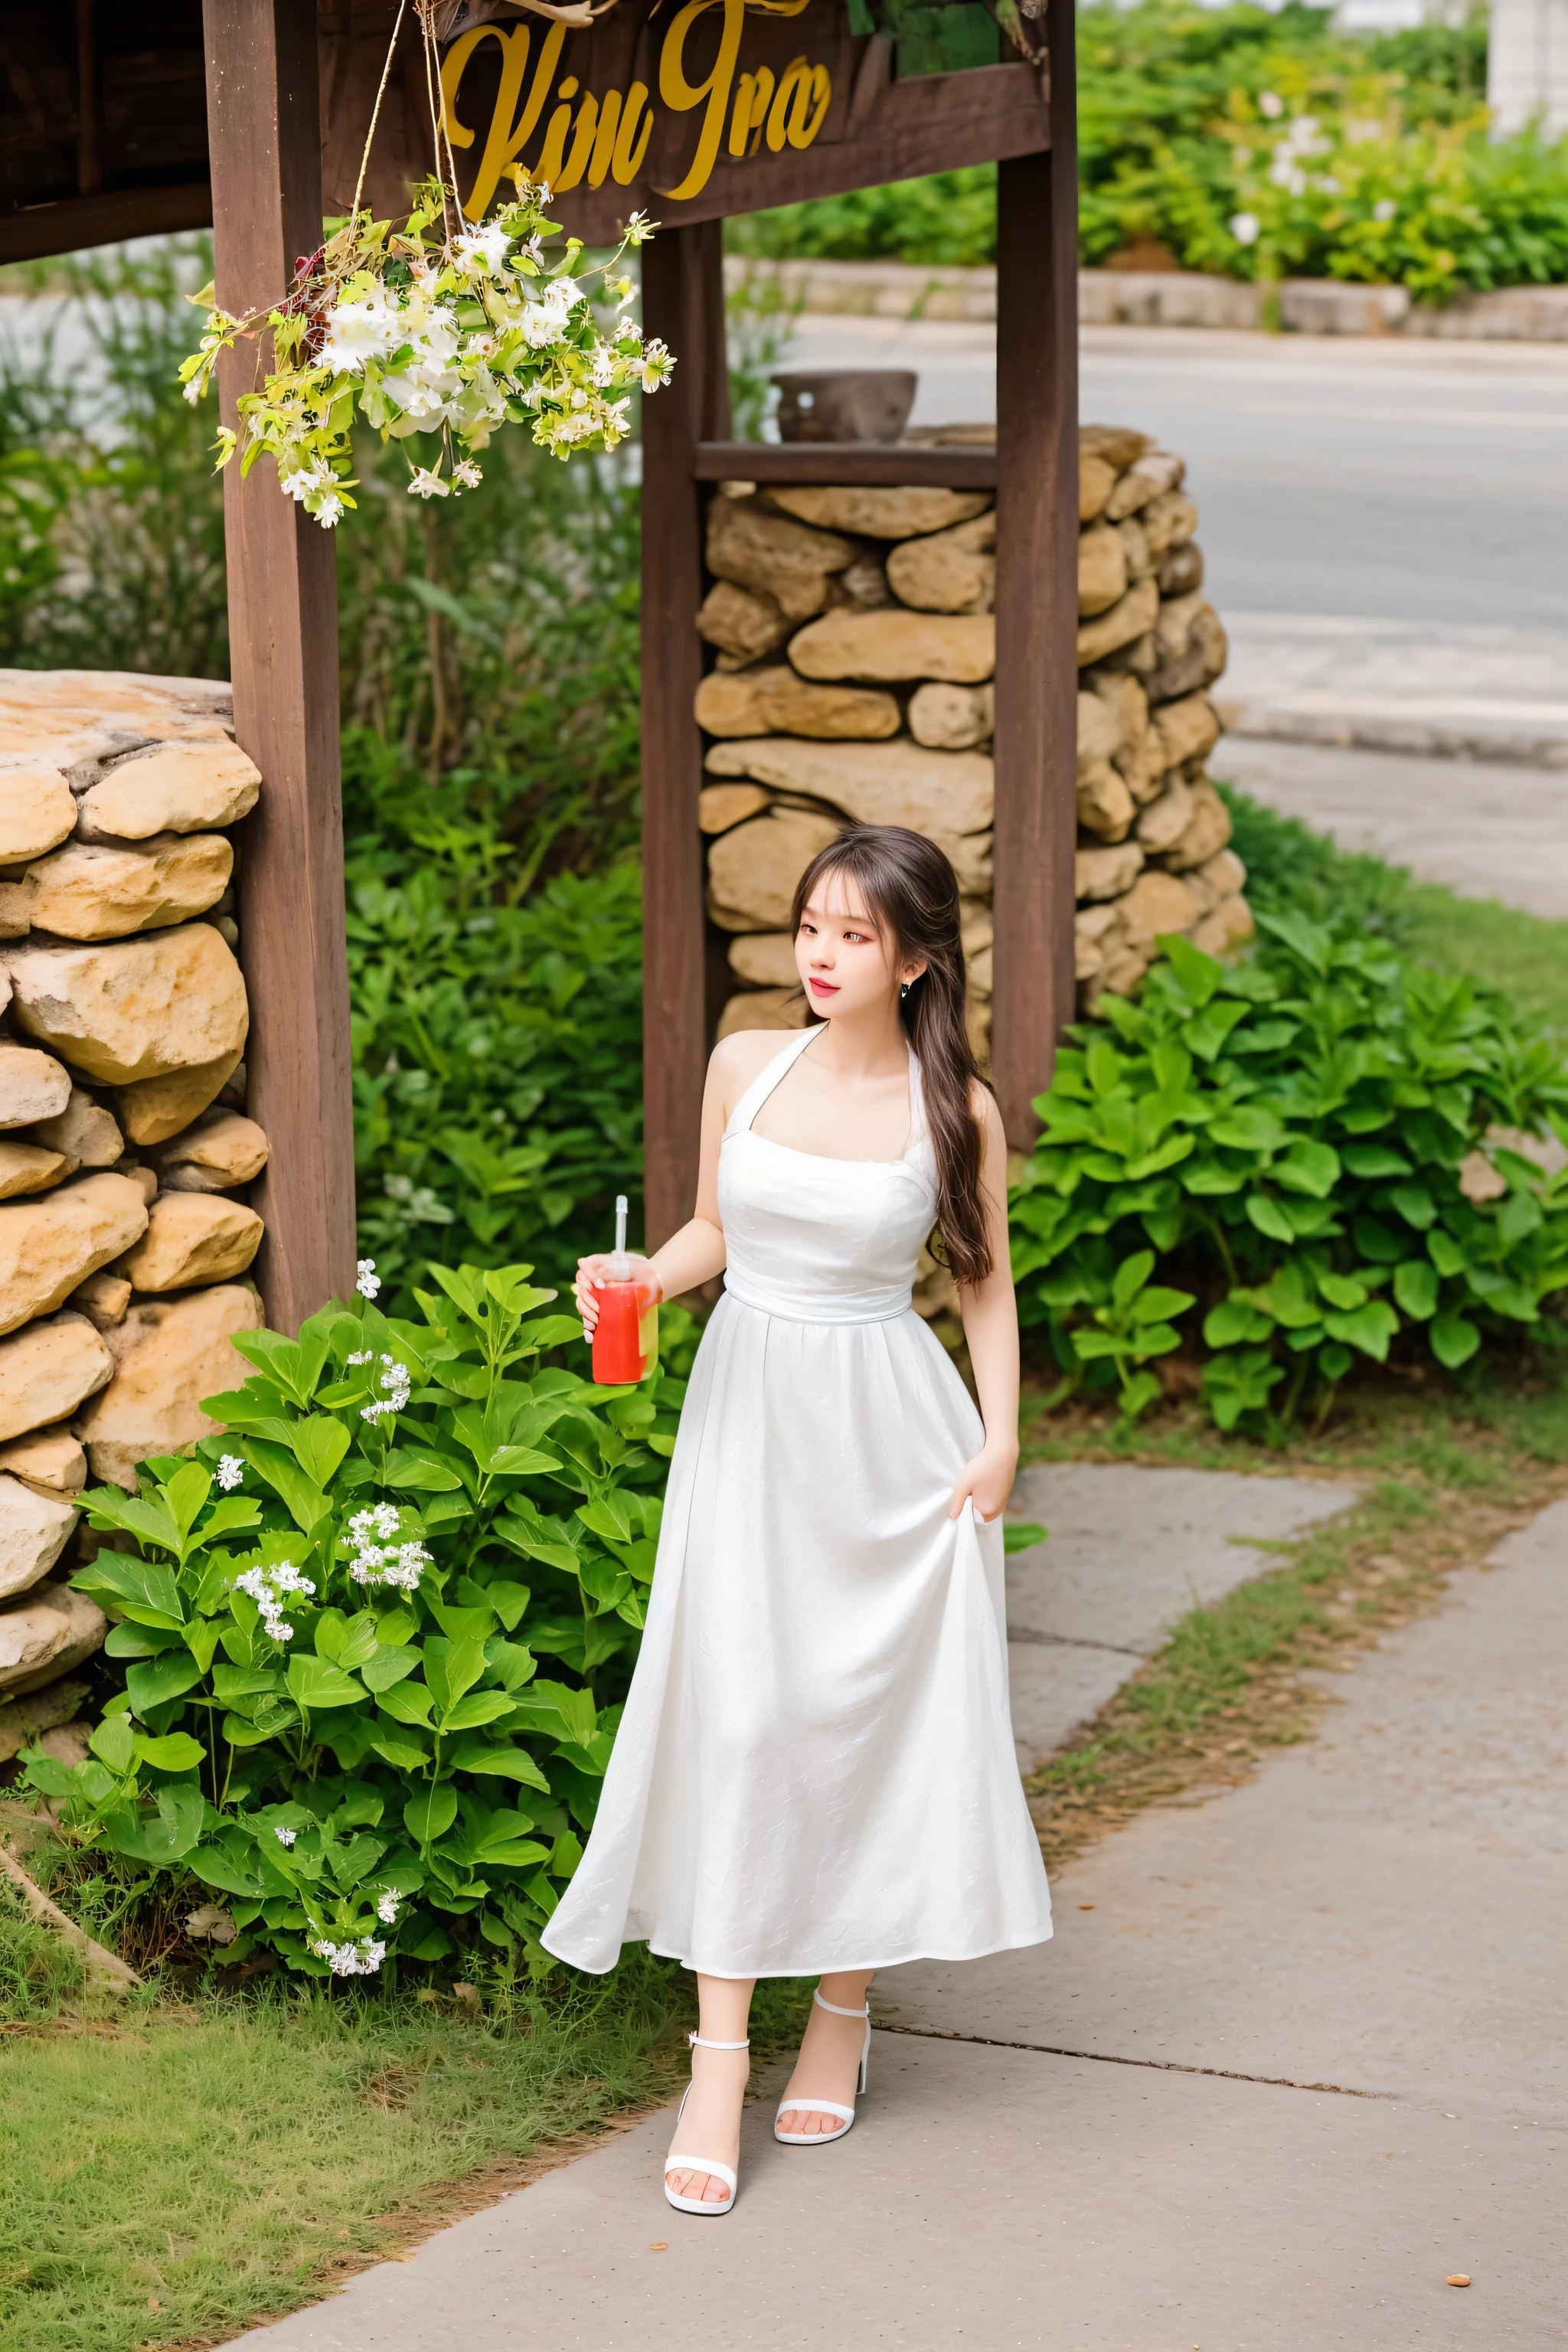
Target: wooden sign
[[682, 112]]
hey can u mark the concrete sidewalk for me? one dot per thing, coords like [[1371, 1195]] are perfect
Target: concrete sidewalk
[[1293, 2058]]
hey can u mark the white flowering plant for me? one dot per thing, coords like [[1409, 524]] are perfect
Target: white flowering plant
[[441, 327], [331, 1712]]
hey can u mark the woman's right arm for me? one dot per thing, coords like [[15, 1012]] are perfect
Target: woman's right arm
[[696, 1254]]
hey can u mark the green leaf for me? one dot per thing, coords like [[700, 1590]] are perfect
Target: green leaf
[[1128, 1278], [1021, 1534], [429, 1814], [348, 1642], [1374, 1160], [315, 1683], [216, 1868], [320, 1444], [1414, 1204], [1416, 1289], [161, 1679], [479, 1707], [389, 1666], [1334, 1362], [1248, 1128], [1342, 1292], [497, 1763], [1454, 1340], [1269, 1217], [175, 1752], [1199, 974], [420, 1474], [407, 1702], [301, 1497], [1446, 1254], [1308, 1167], [401, 1754], [146, 1589], [163, 1837], [452, 1667], [1154, 1305], [1369, 1328], [508, 1600], [113, 1743], [1234, 1321]]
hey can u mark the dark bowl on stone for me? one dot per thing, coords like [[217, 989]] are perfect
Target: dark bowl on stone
[[844, 403]]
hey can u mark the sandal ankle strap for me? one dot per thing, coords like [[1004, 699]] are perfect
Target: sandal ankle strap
[[697, 2043], [833, 2005]]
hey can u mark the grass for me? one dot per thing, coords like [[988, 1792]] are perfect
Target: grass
[[1525, 954], [183, 2168]]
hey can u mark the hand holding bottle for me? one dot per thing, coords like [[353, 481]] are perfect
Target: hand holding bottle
[[618, 1297]]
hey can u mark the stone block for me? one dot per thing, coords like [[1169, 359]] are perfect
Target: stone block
[[720, 806], [1145, 479], [125, 1010], [891, 646], [65, 716], [881, 514], [1191, 645], [763, 1008], [50, 1243], [876, 784], [192, 1239], [24, 1721], [1117, 444], [1101, 571], [1101, 731], [766, 958], [1091, 926], [778, 701], [1187, 729], [953, 718], [864, 583], [970, 856], [1125, 622], [48, 1459], [1182, 571], [1225, 926], [88, 892], [1107, 872], [34, 1087], [1206, 832], [46, 1369], [773, 556], [84, 1131], [949, 571], [33, 1532], [741, 623], [168, 1355], [45, 1634], [171, 788], [1164, 821], [1096, 480], [159, 1108], [1135, 549], [1224, 874], [753, 871], [1105, 806], [727, 701], [29, 1167], [215, 1152], [103, 1298], [38, 810], [1156, 904], [1168, 522]]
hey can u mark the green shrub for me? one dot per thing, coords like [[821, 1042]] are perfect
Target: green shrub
[[1304, 1149], [332, 1715]]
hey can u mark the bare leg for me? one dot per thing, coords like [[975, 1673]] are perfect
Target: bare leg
[[712, 2123], [829, 2053]]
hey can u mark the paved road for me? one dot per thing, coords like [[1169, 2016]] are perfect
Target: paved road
[[1291, 2061]]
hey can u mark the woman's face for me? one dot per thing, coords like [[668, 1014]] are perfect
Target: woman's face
[[844, 957]]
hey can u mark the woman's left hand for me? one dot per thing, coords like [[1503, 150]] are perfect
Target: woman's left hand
[[986, 1480]]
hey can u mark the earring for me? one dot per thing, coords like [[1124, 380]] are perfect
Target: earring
[[903, 991]]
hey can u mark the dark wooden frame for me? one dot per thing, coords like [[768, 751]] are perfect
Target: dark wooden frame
[[1034, 469]]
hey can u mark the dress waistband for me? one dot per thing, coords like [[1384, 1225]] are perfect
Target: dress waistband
[[823, 1310]]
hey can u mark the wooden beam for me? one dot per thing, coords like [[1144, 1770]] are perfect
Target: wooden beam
[[106, 219], [1037, 599], [262, 118], [683, 301], [859, 464]]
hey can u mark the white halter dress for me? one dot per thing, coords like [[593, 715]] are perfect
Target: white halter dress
[[815, 1770]]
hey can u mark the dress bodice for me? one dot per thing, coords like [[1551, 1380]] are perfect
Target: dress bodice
[[816, 1240]]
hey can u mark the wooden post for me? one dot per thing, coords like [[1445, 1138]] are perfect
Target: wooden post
[[683, 301], [264, 132], [1036, 598]]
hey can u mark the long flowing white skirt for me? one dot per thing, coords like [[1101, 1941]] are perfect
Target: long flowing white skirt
[[815, 1768]]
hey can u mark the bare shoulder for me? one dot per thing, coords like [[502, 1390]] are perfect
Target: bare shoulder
[[741, 1056], [987, 1114]]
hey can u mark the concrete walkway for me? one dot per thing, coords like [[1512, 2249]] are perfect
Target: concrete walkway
[[1293, 2058]]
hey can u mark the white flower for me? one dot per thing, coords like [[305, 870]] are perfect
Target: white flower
[[469, 474], [1328, 185], [360, 1959], [387, 1910], [362, 1356], [367, 1282], [330, 511], [283, 1836], [424, 483], [267, 1587], [1270, 103], [654, 364], [639, 228], [1244, 227], [484, 247], [603, 366], [358, 331], [382, 1519], [1385, 209], [230, 1471], [397, 1383]]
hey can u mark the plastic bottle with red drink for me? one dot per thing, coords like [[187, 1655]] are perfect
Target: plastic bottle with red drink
[[626, 1337]]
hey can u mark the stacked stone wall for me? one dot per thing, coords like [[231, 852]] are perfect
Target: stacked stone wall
[[125, 1239], [855, 678]]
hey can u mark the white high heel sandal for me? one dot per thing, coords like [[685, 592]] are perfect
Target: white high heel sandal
[[676, 2163], [827, 2106]]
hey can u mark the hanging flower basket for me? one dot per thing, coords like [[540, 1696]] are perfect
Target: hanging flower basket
[[442, 325]]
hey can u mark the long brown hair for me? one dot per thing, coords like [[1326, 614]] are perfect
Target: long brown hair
[[912, 891]]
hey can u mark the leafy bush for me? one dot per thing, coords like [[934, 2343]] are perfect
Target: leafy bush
[[332, 1714], [1311, 1146], [1255, 143]]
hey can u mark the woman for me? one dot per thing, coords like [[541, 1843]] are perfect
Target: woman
[[814, 1772]]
